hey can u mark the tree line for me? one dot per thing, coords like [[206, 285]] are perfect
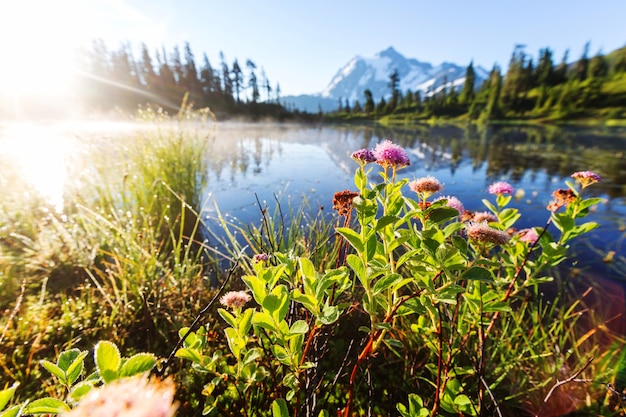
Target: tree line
[[544, 89], [163, 78]]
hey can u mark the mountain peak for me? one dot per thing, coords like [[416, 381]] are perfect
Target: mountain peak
[[373, 73], [390, 53]]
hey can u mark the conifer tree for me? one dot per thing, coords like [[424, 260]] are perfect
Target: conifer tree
[[467, 93], [147, 73], [237, 79], [598, 67], [369, 101], [190, 80], [394, 83], [253, 81], [581, 67]]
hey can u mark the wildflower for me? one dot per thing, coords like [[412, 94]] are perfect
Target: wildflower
[[528, 235], [389, 154], [261, 257], [235, 299], [562, 197], [484, 216], [426, 185], [342, 201], [481, 232], [128, 397], [363, 156], [453, 202], [585, 178], [501, 187]]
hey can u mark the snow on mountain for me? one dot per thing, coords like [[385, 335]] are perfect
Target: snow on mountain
[[361, 73]]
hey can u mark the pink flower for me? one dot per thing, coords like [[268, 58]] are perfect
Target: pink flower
[[389, 154], [585, 178], [261, 257], [136, 397], [528, 235], [481, 232], [426, 185], [363, 156], [235, 299], [484, 216], [453, 202], [501, 187]]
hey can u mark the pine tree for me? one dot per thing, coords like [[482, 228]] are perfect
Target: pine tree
[[253, 82], [560, 73], [598, 67], [580, 69], [237, 79], [190, 81], [467, 93], [394, 83], [147, 73], [207, 80], [369, 101]]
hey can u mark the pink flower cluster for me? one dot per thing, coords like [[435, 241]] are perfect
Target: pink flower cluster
[[528, 235], [426, 185], [501, 187], [482, 232], [235, 299], [136, 397], [386, 154], [585, 178]]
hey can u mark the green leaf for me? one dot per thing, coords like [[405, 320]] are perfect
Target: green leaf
[[76, 368], [245, 322], [265, 321], [67, 358], [299, 327], [80, 390], [14, 411], [189, 354], [7, 394], [54, 370], [46, 405], [478, 273], [138, 364], [385, 221], [357, 266], [108, 360], [441, 214], [330, 314], [386, 282], [258, 287], [279, 408], [352, 237], [228, 318]]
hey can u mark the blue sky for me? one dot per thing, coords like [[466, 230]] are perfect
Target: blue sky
[[302, 44]]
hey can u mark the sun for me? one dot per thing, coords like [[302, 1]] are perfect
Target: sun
[[38, 40]]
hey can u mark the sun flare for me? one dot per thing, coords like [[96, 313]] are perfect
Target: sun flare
[[38, 40]]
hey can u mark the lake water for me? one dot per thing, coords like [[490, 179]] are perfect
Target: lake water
[[293, 163]]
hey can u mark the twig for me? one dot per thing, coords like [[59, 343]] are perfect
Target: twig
[[194, 324], [558, 383], [18, 304], [482, 380]]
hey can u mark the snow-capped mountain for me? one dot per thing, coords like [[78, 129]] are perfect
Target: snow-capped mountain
[[360, 74]]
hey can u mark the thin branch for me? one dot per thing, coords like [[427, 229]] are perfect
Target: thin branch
[[573, 378], [194, 324]]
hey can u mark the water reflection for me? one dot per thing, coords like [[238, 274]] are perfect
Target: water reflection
[[297, 162]]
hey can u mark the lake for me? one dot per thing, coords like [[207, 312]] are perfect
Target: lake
[[293, 163]]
